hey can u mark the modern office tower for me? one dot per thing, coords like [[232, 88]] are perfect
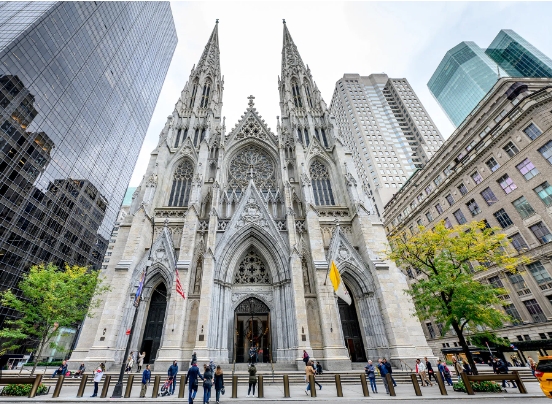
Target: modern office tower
[[497, 168], [518, 57], [468, 72], [78, 85], [387, 128]]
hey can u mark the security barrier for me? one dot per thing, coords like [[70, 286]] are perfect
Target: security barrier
[[59, 383], [338, 385], [82, 385]]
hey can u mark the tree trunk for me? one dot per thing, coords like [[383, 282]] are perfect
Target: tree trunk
[[38, 352], [465, 347]]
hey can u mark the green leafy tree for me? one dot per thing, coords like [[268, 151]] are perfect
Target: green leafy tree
[[447, 260], [52, 298]]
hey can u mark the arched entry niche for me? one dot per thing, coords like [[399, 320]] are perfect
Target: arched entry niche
[[351, 328], [153, 330], [252, 325]]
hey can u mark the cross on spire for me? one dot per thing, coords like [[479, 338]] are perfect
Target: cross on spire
[[251, 103]]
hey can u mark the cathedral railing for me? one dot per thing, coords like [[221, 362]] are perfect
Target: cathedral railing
[[332, 211], [171, 212]]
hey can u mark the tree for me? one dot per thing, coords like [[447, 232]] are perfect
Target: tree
[[51, 299], [447, 260]]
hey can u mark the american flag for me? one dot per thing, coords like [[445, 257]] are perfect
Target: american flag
[[179, 289]]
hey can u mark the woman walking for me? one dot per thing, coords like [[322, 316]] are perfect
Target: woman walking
[[252, 380], [98, 373], [140, 361], [219, 382], [207, 383]]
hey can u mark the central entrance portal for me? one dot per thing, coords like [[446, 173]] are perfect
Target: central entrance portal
[[351, 331], [252, 332], [154, 323]]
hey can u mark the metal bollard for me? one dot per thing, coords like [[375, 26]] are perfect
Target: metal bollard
[[234, 386], [105, 386], [128, 389], [82, 385], [37, 381], [312, 386], [364, 385], [58, 386], [466, 380], [519, 382], [286, 386], [390, 384], [415, 383], [260, 388], [440, 383], [182, 387], [338, 385], [156, 382]]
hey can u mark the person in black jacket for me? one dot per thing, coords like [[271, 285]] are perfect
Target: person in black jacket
[[389, 370], [502, 368], [192, 376], [429, 369], [219, 382]]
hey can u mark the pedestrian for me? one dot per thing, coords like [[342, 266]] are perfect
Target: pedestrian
[[457, 367], [502, 368], [383, 373], [466, 367], [146, 376], [532, 365], [194, 359], [80, 372], [445, 372], [140, 361], [318, 368], [371, 375], [130, 363], [98, 374], [192, 375], [252, 380], [305, 357], [389, 370], [252, 354], [314, 368], [309, 370], [61, 370], [207, 383], [421, 370], [212, 366], [429, 369], [219, 383], [172, 372]]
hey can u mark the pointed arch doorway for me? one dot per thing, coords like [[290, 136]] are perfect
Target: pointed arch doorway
[[252, 329], [154, 324], [351, 330]]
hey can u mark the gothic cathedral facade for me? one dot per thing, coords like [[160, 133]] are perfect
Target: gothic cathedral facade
[[251, 220]]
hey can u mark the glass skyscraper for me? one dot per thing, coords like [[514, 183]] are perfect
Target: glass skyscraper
[[78, 85], [468, 72]]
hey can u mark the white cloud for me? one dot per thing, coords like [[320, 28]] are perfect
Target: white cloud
[[402, 39]]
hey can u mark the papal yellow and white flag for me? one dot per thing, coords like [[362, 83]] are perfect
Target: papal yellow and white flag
[[339, 288]]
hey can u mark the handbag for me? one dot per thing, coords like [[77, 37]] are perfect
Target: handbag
[[222, 390]]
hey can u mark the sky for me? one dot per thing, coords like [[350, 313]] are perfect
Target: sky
[[402, 39]]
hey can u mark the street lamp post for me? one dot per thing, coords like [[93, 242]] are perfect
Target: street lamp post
[[118, 390]]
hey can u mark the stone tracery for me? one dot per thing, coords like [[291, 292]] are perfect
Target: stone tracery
[[252, 270], [252, 162]]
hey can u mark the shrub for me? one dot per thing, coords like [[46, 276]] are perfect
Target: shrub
[[53, 363], [22, 389], [485, 387]]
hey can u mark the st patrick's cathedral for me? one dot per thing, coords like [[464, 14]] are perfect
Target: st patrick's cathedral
[[251, 220]]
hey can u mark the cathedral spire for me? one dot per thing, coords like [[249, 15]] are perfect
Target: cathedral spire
[[291, 60], [210, 58]]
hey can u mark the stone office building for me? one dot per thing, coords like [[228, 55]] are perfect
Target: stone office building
[[497, 167], [251, 219]]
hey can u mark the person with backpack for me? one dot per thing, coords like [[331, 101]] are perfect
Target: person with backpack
[[371, 375], [98, 374], [146, 377], [445, 372], [252, 380], [306, 357], [207, 383], [192, 375]]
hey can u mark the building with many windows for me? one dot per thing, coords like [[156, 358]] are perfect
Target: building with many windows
[[251, 220], [78, 85], [468, 72], [496, 167], [388, 130]]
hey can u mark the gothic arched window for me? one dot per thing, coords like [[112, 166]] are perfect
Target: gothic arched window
[[321, 185], [309, 97], [252, 162], [194, 92], [252, 270], [324, 138], [205, 95], [196, 136], [307, 139], [177, 137], [296, 94], [182, 184]]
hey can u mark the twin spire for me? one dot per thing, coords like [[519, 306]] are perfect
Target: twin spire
[[210, 58]]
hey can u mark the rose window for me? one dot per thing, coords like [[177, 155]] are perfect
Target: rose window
[[252, 162]]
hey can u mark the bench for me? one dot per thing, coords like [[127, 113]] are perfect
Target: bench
[[513, 377], [35, 381]]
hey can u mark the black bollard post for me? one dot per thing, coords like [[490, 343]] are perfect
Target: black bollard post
[[36, 384], [156, 383], [260, 388], [105, 386], [390, 384], [364, 385], [82, 385], [415, 383], [467, 383], [338, 385], [182, 387], [128, 389], [440, 383], [312, 386], [286, 386], [234, 386], [58, 386]]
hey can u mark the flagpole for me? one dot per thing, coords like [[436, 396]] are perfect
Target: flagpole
[[118, 390]]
